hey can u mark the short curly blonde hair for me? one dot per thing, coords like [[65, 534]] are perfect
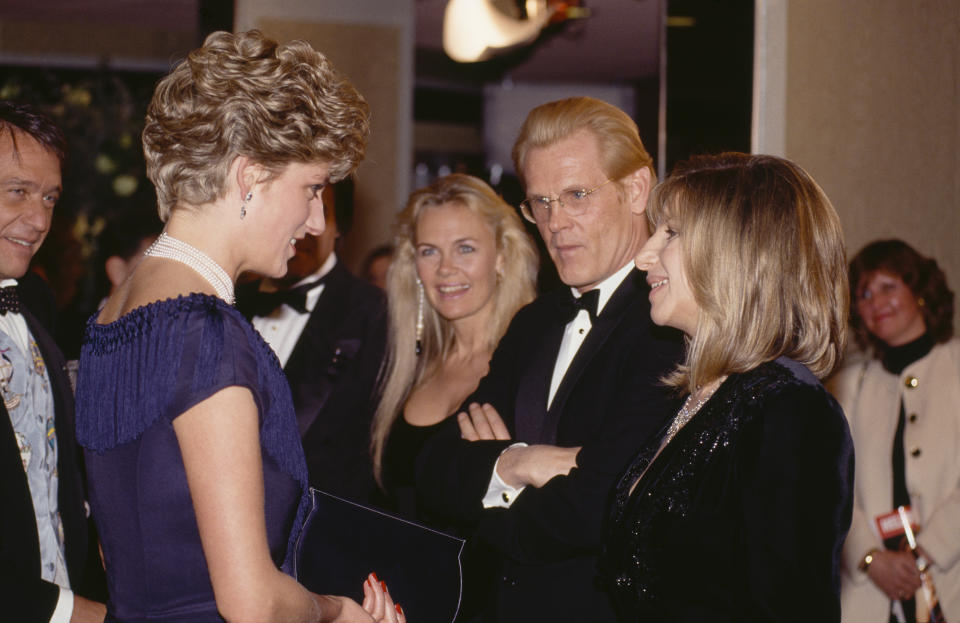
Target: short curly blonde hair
[[244, 94]]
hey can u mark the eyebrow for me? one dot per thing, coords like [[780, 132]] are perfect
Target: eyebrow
[[457, 241], [17, 181]]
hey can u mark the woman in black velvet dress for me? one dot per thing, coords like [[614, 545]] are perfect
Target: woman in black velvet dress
[[739, 510]]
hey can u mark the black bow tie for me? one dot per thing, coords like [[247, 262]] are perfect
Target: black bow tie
[[9, 300], [263, 303], [588, 300]]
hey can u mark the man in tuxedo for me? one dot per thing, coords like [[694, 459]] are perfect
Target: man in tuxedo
[[328, 328], [43, 521], [576, 376]]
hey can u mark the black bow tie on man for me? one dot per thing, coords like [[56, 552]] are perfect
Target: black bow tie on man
[[263, 303], [9, 300], [589, 301]]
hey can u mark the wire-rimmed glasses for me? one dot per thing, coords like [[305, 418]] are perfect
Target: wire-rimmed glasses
[[574, 202]]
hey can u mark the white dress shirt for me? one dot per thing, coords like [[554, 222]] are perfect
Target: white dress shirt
[[499, 493], [282, 328]]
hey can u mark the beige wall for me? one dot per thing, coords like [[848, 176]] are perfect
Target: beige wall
[[867, 99], [381, 67]]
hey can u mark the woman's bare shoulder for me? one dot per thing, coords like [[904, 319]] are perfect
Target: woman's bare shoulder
[[155, 279]]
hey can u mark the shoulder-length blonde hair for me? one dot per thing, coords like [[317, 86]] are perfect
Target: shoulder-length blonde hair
[[763, 253], [404, 369]]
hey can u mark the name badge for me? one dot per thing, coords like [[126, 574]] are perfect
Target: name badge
[[890, 526]]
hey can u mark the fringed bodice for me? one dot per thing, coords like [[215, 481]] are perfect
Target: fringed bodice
[[136, 376]]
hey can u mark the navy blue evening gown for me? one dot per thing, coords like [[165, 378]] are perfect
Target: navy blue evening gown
[[136, 376]]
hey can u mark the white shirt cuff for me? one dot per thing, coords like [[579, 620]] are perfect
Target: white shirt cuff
[[64, 609], [500, 494]]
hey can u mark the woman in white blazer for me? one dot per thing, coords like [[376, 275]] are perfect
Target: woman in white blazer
[[902, 400]]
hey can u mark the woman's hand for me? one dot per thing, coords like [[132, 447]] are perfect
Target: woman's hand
[[378, 603], [519, 466], [482, 422], [895, 573], [378, 606]]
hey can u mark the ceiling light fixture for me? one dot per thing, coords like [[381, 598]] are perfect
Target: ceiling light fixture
[[475, 30]]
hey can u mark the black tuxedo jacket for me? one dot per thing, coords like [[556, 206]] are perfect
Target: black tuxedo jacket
[[332, 373], [24, 596], [610, 401]]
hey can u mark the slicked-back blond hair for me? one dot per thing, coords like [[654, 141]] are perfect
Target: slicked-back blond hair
[[763, 253], [245, 94], [621, 150], [403, 369]]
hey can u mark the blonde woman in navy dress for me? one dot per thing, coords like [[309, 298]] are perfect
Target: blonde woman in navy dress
[[196, 470]]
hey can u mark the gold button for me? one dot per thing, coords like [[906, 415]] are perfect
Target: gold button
[[505, 496], [915, 452], [913, 417], [911, 382]]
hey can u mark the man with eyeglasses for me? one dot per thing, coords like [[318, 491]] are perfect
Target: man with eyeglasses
[[576, 376]]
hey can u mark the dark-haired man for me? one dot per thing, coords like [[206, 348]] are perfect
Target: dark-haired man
[[328, 328], [571, 378], [43, 522]]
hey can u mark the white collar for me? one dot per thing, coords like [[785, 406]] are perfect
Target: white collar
[[325, 268], [608, 286]]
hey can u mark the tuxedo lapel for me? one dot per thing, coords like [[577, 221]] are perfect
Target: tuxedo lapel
[[534, 385], [324, 314], [612, 315], [311, 355]]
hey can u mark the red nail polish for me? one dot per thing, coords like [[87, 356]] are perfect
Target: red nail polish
[[383, 585], [374, 576], [399, 609]]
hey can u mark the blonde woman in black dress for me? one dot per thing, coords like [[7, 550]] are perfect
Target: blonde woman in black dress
[[738, 511]]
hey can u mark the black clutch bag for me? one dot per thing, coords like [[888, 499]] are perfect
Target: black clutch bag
[[342, 542]]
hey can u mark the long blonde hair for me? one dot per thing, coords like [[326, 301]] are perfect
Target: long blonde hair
[[764, 256], [404, 369]]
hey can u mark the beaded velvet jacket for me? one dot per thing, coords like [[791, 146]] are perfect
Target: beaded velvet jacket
[[742, 515]]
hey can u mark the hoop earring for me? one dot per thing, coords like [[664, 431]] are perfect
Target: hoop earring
[[419, 317], [243, 206]]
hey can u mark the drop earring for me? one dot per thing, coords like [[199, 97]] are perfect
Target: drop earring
[[243, 206], [419, 317]]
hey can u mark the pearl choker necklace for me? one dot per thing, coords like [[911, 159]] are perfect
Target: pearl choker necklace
[[170, 248]]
